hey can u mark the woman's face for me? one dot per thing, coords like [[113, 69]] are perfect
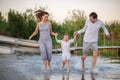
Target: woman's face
[[45, 18]]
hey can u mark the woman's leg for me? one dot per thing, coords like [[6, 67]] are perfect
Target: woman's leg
[[49, 53], [45, 63], [43, 54], [48, 64]]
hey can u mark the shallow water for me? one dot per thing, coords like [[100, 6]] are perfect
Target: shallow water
[[32, 68]]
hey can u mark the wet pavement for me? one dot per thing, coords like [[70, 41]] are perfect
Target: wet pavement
[[31, 68]]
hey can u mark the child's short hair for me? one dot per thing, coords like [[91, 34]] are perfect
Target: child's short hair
[[65, 35]]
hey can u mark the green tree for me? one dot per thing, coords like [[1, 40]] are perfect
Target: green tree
[[3, 25]]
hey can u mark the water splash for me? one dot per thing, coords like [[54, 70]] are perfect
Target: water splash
[[32, 68]]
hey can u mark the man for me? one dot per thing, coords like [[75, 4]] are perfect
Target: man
[[90, 41]]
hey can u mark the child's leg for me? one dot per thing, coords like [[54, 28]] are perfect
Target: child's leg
[[68, 65], [63, 60], [63, 64]]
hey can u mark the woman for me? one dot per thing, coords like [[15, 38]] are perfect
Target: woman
[[45, 43]]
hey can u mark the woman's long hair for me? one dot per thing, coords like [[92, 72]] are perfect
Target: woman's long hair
[[40, 13]]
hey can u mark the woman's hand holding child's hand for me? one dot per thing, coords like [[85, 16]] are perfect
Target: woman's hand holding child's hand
[[56, 34]]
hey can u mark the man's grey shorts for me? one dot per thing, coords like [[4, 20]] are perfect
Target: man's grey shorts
[[89, 45]]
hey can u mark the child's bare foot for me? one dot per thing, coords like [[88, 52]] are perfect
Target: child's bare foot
[[62, 67], [68, 71]]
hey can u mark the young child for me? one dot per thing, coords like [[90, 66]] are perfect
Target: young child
[[65, 45]]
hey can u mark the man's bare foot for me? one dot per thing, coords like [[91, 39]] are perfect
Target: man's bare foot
[[83, 78], [92, 71], [92, 76]]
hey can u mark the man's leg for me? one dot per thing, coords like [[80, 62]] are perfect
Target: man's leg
[[92, 76], [94, 59], [83, 76], [83, 61], [85, 52], [94, 51]]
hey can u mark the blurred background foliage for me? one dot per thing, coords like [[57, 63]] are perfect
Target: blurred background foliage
[[21, 25]]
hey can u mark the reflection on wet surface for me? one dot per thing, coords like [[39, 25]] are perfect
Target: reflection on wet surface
[[91, 78], [65, 77], [32, 68]]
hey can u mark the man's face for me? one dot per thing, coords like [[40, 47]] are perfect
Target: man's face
[[93, 20]]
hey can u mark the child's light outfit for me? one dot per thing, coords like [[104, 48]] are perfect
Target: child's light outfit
[[65, 46]]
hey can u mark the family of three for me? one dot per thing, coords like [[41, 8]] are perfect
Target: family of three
[[90, 40]]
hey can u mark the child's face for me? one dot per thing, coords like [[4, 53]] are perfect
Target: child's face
[[66, 38]]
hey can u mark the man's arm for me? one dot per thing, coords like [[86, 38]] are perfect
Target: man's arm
[[105, 31], [74, 38], [81, 30]]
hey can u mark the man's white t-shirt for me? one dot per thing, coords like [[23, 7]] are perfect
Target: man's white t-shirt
[[91, 30]]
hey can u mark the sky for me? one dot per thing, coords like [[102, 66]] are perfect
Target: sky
[[107, 10]]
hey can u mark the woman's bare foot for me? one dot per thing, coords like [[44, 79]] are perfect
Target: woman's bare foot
[[48, 68]]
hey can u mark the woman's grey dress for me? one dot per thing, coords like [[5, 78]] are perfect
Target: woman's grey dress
[[45, 42]]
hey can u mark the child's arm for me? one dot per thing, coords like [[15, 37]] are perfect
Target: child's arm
[[73, 39], [58, 41], [56, 37]]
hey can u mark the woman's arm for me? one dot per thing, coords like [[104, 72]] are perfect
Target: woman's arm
[[51, 32], [35, 32]]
